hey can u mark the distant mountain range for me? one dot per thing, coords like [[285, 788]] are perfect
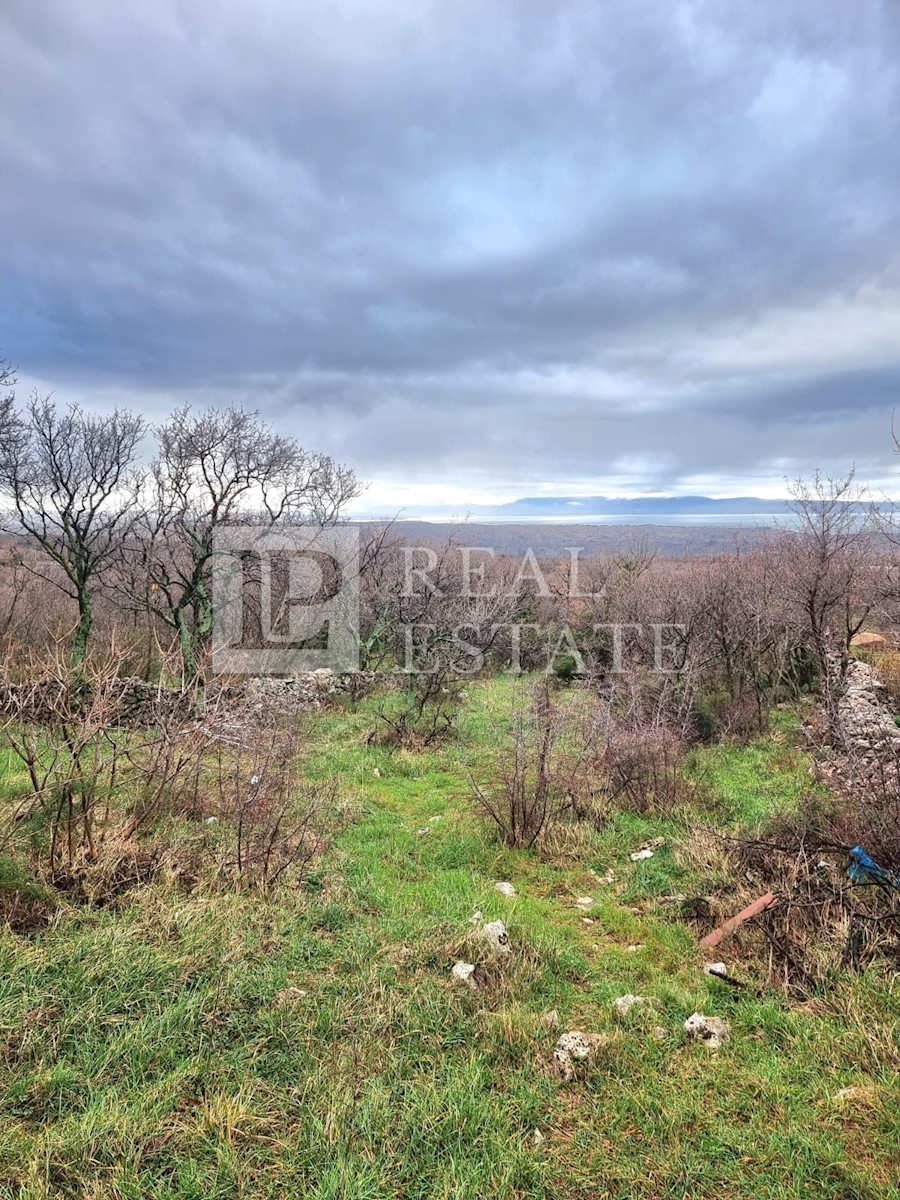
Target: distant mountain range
[[605, 509], [580, 506]]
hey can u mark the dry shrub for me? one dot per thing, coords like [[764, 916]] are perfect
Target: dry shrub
[[93, 783], [574, 762], [642, 761], [108, 802], [273, 825], [546, 772], [861, 808], [422, 714], [821, 924], [887, 667], [648, 725], [526, 799]]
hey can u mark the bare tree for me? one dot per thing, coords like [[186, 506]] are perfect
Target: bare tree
[[16, 578], [827, 570], [7, 378], [747, 634], [70, 479], [213, 469]]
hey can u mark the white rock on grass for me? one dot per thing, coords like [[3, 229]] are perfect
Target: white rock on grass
[[585, 902], [505, 889], [462, 974], [717, 968], [497, 938], [854, 1093], [289, 996], [641, 855], [626, 1003], [477, 917], [575, 1047], [604, 878], [713, 1032]]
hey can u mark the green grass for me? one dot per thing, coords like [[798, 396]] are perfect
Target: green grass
[[750, 783], [144, 1053]]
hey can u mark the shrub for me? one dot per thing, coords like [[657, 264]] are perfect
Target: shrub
[[424, 713], [273, 827], [887, 667], [547, 772], [642, 761], [705, 720], [565, 668], [108, 802]]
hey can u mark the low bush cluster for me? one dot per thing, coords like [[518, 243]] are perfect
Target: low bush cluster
[[100, 804]]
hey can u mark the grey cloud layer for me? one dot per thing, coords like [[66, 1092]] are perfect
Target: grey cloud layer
[[496, 241]]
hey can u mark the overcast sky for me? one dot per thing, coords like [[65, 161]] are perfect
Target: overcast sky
[[479, 249]]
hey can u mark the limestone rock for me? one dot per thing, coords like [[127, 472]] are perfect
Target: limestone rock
[[505, 889], [497, 938], [574, 1047], [289, 997], [462, 974], [717, 969], [713, 1032], [626, 1003]]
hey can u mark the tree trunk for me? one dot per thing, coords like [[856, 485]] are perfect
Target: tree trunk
[[186, 645], [83, 632]]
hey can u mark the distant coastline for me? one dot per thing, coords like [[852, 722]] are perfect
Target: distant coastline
[[732, 511], [731, 520], [552, 539]]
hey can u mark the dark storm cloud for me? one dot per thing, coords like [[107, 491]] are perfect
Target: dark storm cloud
[[492, 244]]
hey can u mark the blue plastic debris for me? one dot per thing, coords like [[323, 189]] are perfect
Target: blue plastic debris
[[863, 869]]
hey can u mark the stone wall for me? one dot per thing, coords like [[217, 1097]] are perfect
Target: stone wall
[[867, 721], [136, 702]]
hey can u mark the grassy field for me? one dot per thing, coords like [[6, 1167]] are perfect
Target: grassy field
[[149, 1050]]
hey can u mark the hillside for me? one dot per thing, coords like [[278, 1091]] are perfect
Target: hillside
[[188, 1041]]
